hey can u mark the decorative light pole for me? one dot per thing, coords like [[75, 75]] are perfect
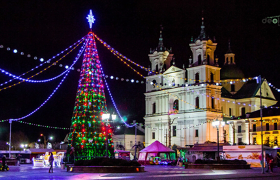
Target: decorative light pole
[[217, 125], [106, 119], [169, 130]]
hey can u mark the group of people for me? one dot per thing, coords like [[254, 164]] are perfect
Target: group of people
[[4, 161]]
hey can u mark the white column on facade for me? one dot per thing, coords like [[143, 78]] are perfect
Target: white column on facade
[[166, 104], [147, 104], [247, 133], [191, 133]]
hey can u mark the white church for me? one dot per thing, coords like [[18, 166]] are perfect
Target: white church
[[182, 103]]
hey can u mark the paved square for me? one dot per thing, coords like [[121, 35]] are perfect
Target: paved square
[[151, 172]]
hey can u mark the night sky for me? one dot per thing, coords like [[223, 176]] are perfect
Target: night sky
[[45, 28]]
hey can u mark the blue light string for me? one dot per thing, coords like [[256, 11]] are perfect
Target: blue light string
[[113, 99], [43, 62], [76, 59], [38, 81]]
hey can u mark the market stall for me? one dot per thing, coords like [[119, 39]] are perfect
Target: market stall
[[157, 153], [121, 154]]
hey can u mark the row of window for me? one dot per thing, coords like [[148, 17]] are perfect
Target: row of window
[[173, 132], [176, 105], [239, 130], [243, 111]]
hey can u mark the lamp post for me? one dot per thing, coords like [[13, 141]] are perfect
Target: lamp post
[[169, 130], [217, 125], [106, 119]]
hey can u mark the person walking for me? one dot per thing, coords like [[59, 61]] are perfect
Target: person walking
[[3, 162], [271, 163], [18, 159], [51, 159], [268, 162]]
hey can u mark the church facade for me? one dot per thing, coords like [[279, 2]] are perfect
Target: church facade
[[182, 103]]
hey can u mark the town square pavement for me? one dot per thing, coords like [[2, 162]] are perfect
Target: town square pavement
[[27, 171]]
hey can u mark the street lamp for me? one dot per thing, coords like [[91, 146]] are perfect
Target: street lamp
[[106, 119], [217, 125], [169, 130]]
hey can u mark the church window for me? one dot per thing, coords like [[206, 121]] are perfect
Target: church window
[[196, 133], [199, 59], [254, 127], [197, 78], [243, 111], [197, 102], [275, 126], [153, 135], [212, 77], [229, 111], [232, 88], [154, 108], [239, 129], [267, 126], [154, 83], [174, 130], [176, 105], [213, 102]]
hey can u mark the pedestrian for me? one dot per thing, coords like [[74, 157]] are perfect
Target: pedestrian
[[268, 159], [18, 159], [3, 162], [271, 163], [51, 163]]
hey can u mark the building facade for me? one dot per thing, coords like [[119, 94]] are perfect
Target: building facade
[[182, 103], [248, 130]]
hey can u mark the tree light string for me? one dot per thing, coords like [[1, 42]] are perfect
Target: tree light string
[[43, 69], [120, 56], [48, 61], [38, 81], [107, 86], [77, 58]]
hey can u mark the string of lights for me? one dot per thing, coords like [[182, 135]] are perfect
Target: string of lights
[[76, 59], [15, 51], [107, 86], [41, 59], [116, 53], [271, 85], [120, 56], [38, 81], [43, 69]]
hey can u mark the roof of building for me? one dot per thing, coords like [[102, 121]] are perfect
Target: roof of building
[[248, 90], [270, 111], [231, 71], [127, 131]]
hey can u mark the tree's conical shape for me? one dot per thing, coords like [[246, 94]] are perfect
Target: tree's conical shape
[[89, 133]]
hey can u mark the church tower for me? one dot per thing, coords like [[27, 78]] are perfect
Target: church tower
[[160, 57]]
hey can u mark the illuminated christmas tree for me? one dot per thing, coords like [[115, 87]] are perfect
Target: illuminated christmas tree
[[89, 133]]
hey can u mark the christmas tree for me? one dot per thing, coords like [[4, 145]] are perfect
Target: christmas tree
[[89, 134]]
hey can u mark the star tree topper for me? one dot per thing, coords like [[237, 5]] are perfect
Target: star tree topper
[[90, 19]]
